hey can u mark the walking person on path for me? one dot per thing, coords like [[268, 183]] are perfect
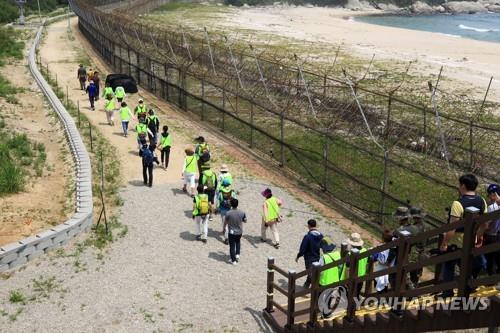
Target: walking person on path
[[141, 110], [142, 131], [165, 145], [271, 217], [309, 248], [107, 91], [201, 209], [233, 222], [81, 75], [120, 94], [125, 115], [109, 106], [147, 165], [202, 152], [189, 170], [224, 197], [209, 180], [224, 175], [154, 125], [92, 92], [97, 82]]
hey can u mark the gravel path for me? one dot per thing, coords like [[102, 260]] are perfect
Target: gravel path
[[156, 278]]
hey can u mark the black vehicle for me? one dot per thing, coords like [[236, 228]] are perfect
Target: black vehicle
[[124, 80]]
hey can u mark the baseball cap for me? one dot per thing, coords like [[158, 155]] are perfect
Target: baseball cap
[[493, 188]]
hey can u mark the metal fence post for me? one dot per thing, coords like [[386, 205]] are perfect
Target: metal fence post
[[282, 139], [325, 163], [223, 125], [270, 287], [290, 318], [202, 99], [251, 125], [471, 146]]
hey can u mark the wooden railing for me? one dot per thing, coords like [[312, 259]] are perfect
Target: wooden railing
[[472, 224]]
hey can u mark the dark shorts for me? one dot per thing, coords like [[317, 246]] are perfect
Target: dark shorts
[[211, 196]]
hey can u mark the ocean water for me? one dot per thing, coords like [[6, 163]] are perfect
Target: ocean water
[[484, 26]]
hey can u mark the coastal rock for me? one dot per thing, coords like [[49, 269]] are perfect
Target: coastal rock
[[420, 7], [388, 7], [460, 7], [358, 5], [494, 8], [439, 9]]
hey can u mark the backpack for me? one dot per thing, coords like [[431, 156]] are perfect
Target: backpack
[[205, 157], [204, 205], [210, 181], [226, 201], [147, 156]]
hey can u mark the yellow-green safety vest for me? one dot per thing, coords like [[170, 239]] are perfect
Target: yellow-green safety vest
[[200, 148], [191, 164], [125, 113], [110, 105], [208, 174], [331, 275], [362, 264], [141, 128], [165, 141], [139, 109], [120, 92], [197, 200], [107, 91], [273, 209]]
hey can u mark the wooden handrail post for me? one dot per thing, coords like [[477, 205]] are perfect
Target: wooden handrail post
[[466, 257], [401, 260], [270, 281], [290, 316], [352, 285], [313, 308]]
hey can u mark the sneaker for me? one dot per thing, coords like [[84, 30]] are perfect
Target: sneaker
[[277, 245], [226, 241], [238, 258], [262, 240], [204, 241], [235, 262], [210, 218], [198, 237]]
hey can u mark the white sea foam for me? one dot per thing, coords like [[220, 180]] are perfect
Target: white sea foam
[[465, 27], [450, 35]]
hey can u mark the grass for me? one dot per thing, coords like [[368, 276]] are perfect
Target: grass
[[43, 287], [16, 296]]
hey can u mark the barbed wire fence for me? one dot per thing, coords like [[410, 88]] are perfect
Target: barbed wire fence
[[367, 150]]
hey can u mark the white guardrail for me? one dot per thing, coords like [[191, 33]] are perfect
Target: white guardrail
[[20, 252]]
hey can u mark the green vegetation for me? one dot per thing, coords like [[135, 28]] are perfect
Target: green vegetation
[[9, 11], [16, 296]]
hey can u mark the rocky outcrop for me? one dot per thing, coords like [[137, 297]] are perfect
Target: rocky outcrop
[[464, 7], [420, 7]]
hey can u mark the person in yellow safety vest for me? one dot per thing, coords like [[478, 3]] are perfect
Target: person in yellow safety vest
[[202, 152], [120, 93], [189, 170], [107, 91], [125, 115], [165, 145], [141, 109], [142, 131], [110, 106], [201, 208], [271, 217], [355, 242], [209, 181], [330, 276]]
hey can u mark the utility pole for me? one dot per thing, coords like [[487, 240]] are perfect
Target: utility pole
[[39, 11]]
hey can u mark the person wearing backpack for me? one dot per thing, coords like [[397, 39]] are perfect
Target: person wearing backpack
[[224, 197], [142, 130], [92, 92], [154, 125], [209, 180], [202, 152], [165, 145], [147, 164], [109, 105], [108, 90], [189, 170], [309, 248], [271, 217], [201, 210]]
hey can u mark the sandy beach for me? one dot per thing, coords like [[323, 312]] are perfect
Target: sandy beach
[[470, 61]]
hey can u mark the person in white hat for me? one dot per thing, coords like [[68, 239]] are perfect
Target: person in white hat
[[224, 177], [355, 242]]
